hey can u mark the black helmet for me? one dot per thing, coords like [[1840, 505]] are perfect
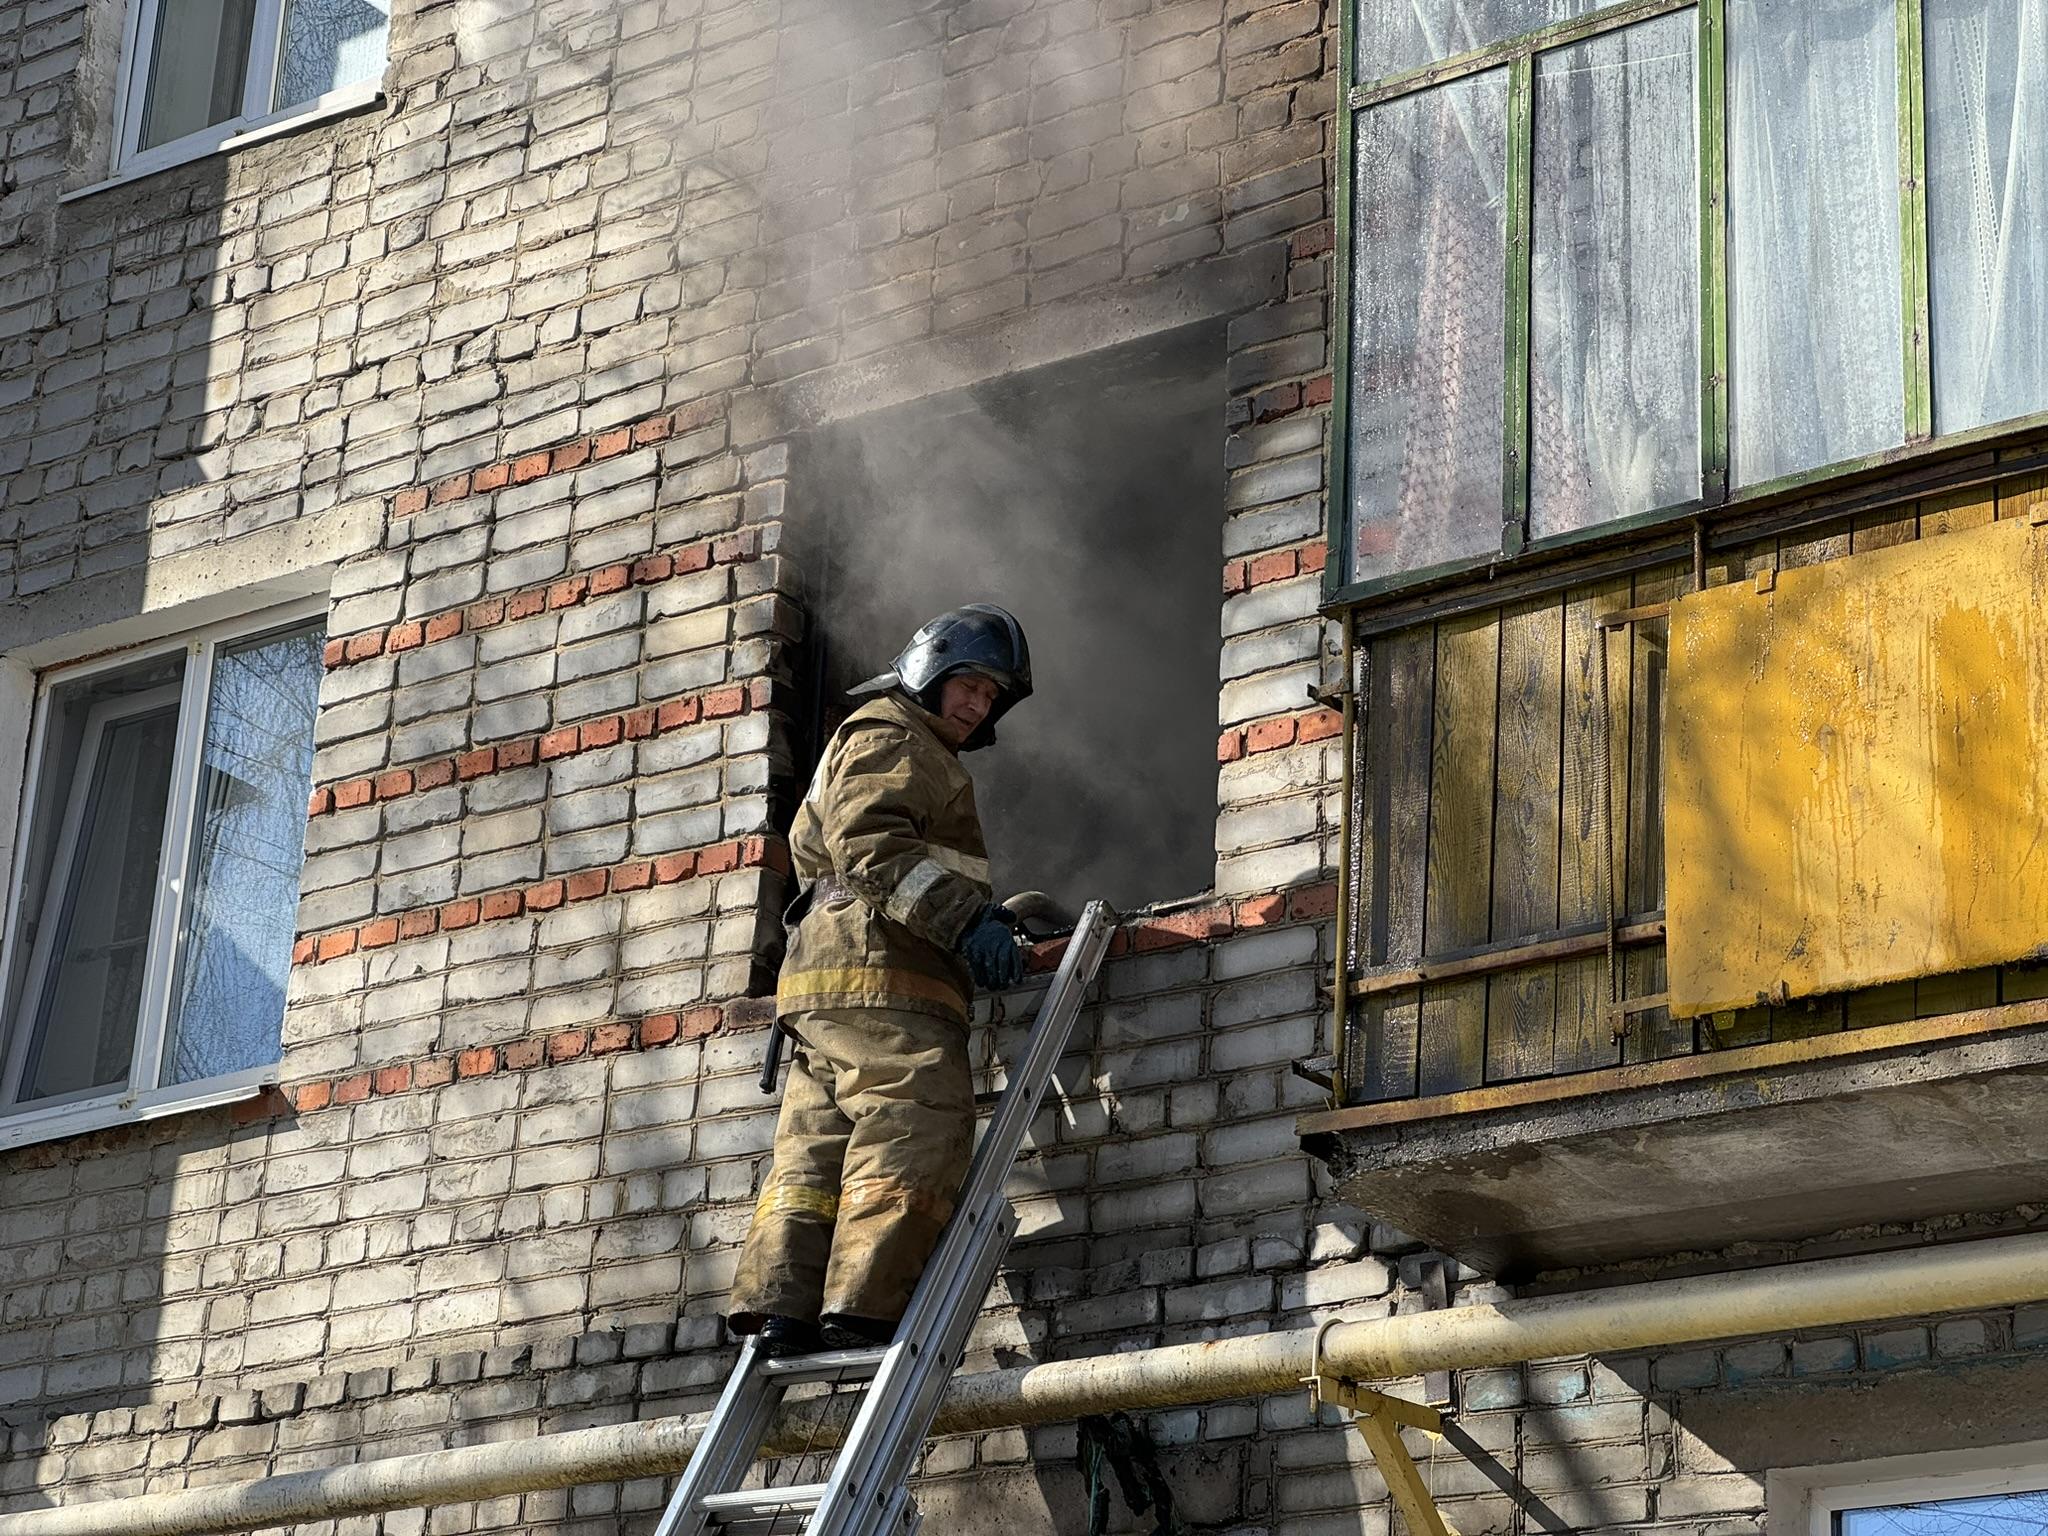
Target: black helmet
[[977, 638]]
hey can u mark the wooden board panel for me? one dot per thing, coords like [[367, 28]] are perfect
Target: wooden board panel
[[1585, 1038], [1850, 753], [1521, 1007], [1399, 710], [1652, 1034], [1460, 878]]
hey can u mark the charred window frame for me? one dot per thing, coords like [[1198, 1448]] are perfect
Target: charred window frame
[[1936, 411], [153, 894]]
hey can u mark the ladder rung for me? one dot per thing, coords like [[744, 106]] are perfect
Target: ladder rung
[[762, 1503], [826, 1365]]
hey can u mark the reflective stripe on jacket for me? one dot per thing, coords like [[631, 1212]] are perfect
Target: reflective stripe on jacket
[[890, 814]]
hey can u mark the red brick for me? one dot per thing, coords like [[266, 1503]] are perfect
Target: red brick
[[1046, 956], [567, 594], [434, 775], [434, 1072], [355, 792], [1311, 901], [480, 1062], [518, 754], [497, 904], [699, 413], [1230, 746], [482, 615], [267, 1105], [601, 733], [1236, 577], [320, 802], [652, 568], [311, 1096], [612, 578], [530, 466], [396, 782], [1261, 911], [718, 858], [408, 501], [729, 548], [652, 431], [454, 488], [334, 945], [303, 950], [352, 1090], [699, 1022], [720, 702], [1277, 566], [1314, 556], [1314, 240], [474, 765], [417, 925], [378, 933], [1280, 400], [567, 1045], [693, 558], [571, 455], [760, 693], [521, 1054], [461, 914], [546, 896], [677, 712], [491, 477], [362, 647], [444, 626], [1180, 928], [405, 637], [559, 743], [765, 853], [607, 1038], [659, 1029], [1319, 725], [334, 652], [610, 444], [585, 884], [671, 867], [1268, 734], [392, 1079], [633, 877], [639, 723], [525, 605], [1317, 390]]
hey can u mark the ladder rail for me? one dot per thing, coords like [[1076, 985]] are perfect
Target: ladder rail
[[867, 1491]]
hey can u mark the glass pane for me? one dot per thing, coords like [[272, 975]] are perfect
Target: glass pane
[[95, 964], [2005, 1514], [196, 67], [1987, 208], [329, 44], [1395, 36], [1813, 245], [1427, 393], [1615, 387], [248, 841]]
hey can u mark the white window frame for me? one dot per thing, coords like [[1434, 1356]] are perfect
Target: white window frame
[[257, 120], [91, 1111], [1804, 1501]]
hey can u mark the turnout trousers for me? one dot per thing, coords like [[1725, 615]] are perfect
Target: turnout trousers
[[876, 1130]]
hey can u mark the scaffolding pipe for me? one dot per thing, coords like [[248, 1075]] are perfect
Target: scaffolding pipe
[[1995, 1272]]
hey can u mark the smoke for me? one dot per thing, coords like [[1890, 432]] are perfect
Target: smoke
[[1086, 498]]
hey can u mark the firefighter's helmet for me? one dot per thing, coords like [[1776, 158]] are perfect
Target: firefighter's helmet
[[977, 638]]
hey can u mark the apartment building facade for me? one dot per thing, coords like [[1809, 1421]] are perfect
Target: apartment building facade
[[454, 458]]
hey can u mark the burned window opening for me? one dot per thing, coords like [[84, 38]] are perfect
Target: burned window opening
[[1087, 498]]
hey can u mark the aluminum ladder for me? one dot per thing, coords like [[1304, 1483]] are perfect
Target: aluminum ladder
[[867, 1492]]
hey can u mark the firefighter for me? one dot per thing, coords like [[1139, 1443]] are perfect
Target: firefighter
[[894, 923]]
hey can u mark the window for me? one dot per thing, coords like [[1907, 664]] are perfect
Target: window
[[1609, 264], [1982, 1491], [202, 72], [156, 879]]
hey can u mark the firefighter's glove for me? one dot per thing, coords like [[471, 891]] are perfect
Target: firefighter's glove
[[991, 949]]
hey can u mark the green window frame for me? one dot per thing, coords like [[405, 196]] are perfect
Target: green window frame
[[1519, 55]]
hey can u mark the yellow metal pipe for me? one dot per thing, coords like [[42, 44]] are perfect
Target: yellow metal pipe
[[1958, 1277]]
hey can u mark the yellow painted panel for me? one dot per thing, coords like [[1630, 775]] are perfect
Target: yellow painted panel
[[1855, 787]]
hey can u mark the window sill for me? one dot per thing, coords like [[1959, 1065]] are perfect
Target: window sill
[[335, 104], [78, 1118]]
